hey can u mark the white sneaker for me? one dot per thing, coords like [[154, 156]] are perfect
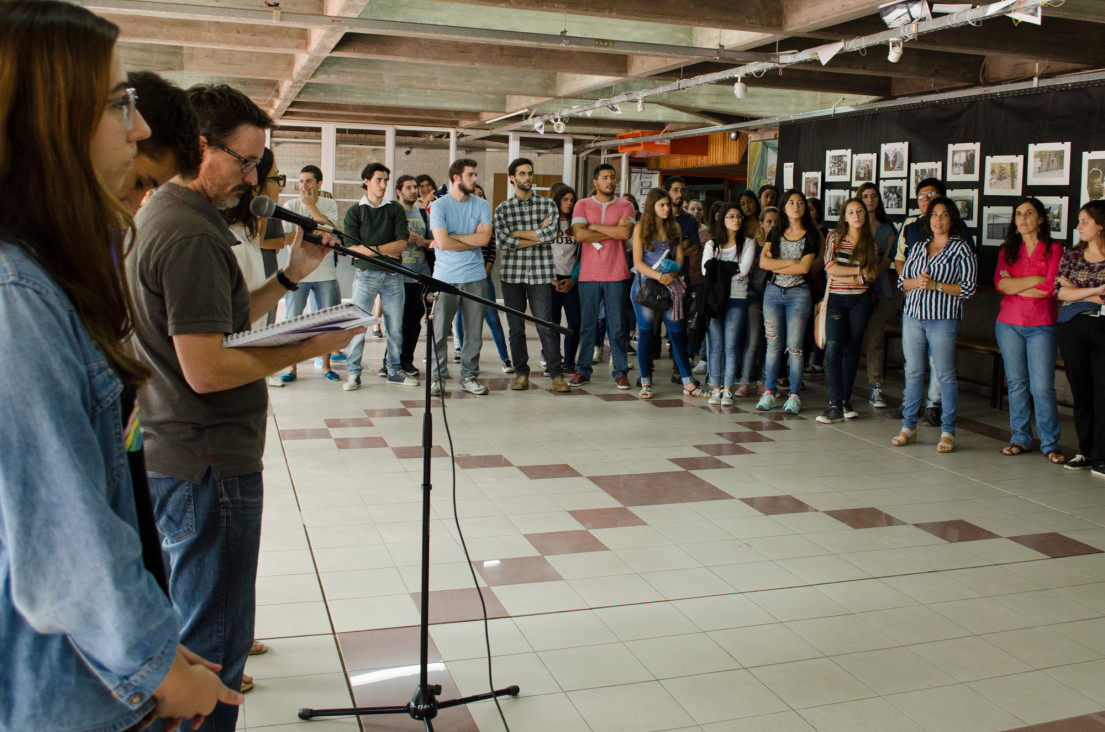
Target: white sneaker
[[597, 358], [435, 388], [700, 367], [726, 398], [715, 397], [273, 380], [473, 387], [352, 383]]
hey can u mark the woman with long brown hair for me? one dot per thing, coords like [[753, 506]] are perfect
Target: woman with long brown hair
[[90, 640]]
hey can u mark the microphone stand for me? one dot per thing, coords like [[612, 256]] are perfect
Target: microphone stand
[[424, 703]]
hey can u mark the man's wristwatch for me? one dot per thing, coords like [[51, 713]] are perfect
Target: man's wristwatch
[[283, 280]]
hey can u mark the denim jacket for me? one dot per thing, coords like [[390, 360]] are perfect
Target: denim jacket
[[86, 635]]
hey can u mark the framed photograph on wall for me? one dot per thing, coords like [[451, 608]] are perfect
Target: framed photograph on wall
[[1049, 164], [919, 171], [996, 220], [894, 160], [834, 203], [1057, 210], [1003, 175], [838, 166], [963, 162], [863, 168], [966, 200], [1093, 176], [894, 195], [811, 185]]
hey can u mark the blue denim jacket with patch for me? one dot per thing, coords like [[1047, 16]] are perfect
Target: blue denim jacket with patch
[[86, 635]]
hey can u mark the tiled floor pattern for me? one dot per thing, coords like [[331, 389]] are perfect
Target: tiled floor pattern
[[649, 567]]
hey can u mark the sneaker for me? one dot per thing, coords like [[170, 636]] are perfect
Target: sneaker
[[742, 389], [456, 355], [1078, 462], [337, 357], [352, 383], [377, 333], [767, 401], [832, 415], [331, 376], [411, 372], [273, 380], [875, 396], [318, 363], [578, 379], [289, 377], [383, 372], [1098, 471], [622, 383], [520, 383], [793, 404], [813, 368], [597, 356], [715, 397], [508, 367], [544, 365], [760, 388], [932, 415], [726, 398], [849, 413], [700, 367], [560, 386], [472, 386], [401, 379], [436, 389]]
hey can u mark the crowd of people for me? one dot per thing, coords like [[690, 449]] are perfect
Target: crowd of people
[[131, 488]]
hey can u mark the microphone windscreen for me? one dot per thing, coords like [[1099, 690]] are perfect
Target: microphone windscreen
[[262, 207]]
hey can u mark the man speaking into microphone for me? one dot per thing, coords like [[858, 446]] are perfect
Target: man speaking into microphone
[[203, 411]]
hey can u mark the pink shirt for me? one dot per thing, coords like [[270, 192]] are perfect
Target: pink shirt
[[602, 261], [1027, 311]]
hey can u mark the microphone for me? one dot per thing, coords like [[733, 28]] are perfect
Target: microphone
[[264, 207]]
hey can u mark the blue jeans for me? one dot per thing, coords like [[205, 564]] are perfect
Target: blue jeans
[[788, 309], [646, 319], [591, 296], [725, 339], [845, 324], [922, 341], [366, 285], [568, 302], [752, 365], [327, 295], [210, 535], [1028, 353], [491, 317]]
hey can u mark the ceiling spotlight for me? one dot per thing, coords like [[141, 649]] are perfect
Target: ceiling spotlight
[[614, 108], [740, 89], [539, 125], [407, 151], [734, 135], [559, 126], [640, 104], [894, 55]]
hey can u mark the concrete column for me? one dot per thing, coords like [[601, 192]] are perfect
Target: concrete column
[[513, 150], [452, 146], [329, 159], [569, 162], [625, 175], [389, 159]]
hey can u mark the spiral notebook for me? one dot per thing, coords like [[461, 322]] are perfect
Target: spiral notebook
[[294, 330]]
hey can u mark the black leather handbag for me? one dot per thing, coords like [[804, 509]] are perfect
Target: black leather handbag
[[651, 294]]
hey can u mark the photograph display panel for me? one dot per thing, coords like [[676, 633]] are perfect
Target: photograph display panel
[[963, 161], [838, 166], [1048, 164], [894, 160], [1003, 175]]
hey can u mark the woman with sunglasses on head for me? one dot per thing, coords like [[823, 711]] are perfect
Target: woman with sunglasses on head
[[885, 236], [90, 639], [1081, 281], [940, 272]]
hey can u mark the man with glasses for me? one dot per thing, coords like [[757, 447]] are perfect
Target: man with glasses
[[204, 408]]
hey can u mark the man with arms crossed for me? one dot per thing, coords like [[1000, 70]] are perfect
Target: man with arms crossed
[[204, 409]]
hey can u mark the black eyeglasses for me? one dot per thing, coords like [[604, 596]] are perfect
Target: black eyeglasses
[[280, 180], [248, 166], [127, 103]]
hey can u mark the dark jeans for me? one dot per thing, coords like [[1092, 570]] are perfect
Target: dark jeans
[[414, 309], [845, 324], [568, 302], [1082, 343], [539, 296]]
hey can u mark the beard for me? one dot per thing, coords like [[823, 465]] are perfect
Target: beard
[[466, 190], [524, 188], [231, 198]]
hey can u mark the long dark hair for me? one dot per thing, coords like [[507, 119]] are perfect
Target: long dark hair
[[865, 253], [956, 229], [1096, 211], [653, 227], [1011, 247], [880, 210], [718, 233], [55, 73], [806, 221]]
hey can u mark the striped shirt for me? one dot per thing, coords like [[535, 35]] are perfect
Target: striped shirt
[[838, 251], [532, 265], [954, 264]]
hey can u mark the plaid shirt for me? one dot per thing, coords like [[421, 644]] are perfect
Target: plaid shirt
[[532, 265]]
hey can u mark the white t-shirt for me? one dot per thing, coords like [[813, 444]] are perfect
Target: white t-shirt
[[328, 207], [738, 288], [248, 253]]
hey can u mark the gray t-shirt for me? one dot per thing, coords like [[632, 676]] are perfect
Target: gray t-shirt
[[788, 249], [413, 257], [184, 279]]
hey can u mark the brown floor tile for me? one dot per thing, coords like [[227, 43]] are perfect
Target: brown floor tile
[[724, 448], [565, 542], [760, 423], [503, 383], [456, 606], [351, 443], [619, 397], [718, 409], [1055, 545], [669, 403], [385, 648], [957, 530], [1085, 723], [354, 422], [407, 453], [419, 404], [472, 462], [387, 412], [517, 571], [864, 518], [606, 518], [320, 433], [776, 505], [651, 489], [700, 463], [537, 472], [746, 436]]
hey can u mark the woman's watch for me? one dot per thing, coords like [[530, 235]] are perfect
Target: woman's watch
[[283, 280], [940, 287]]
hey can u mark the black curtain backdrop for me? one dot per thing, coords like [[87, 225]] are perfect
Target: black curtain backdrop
[[1003, 125]]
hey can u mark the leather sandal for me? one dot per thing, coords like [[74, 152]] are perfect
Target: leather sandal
[[1015, 449], [904, 437], [1056, 457], [947, 442], [695, 392]]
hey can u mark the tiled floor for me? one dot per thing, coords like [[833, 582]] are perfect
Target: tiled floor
[[672, 566]]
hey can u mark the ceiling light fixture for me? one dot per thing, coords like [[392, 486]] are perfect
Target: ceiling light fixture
[[640, 104], [559, 126], [740, 89], [615, 108], [894, 55], [539, 125]]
